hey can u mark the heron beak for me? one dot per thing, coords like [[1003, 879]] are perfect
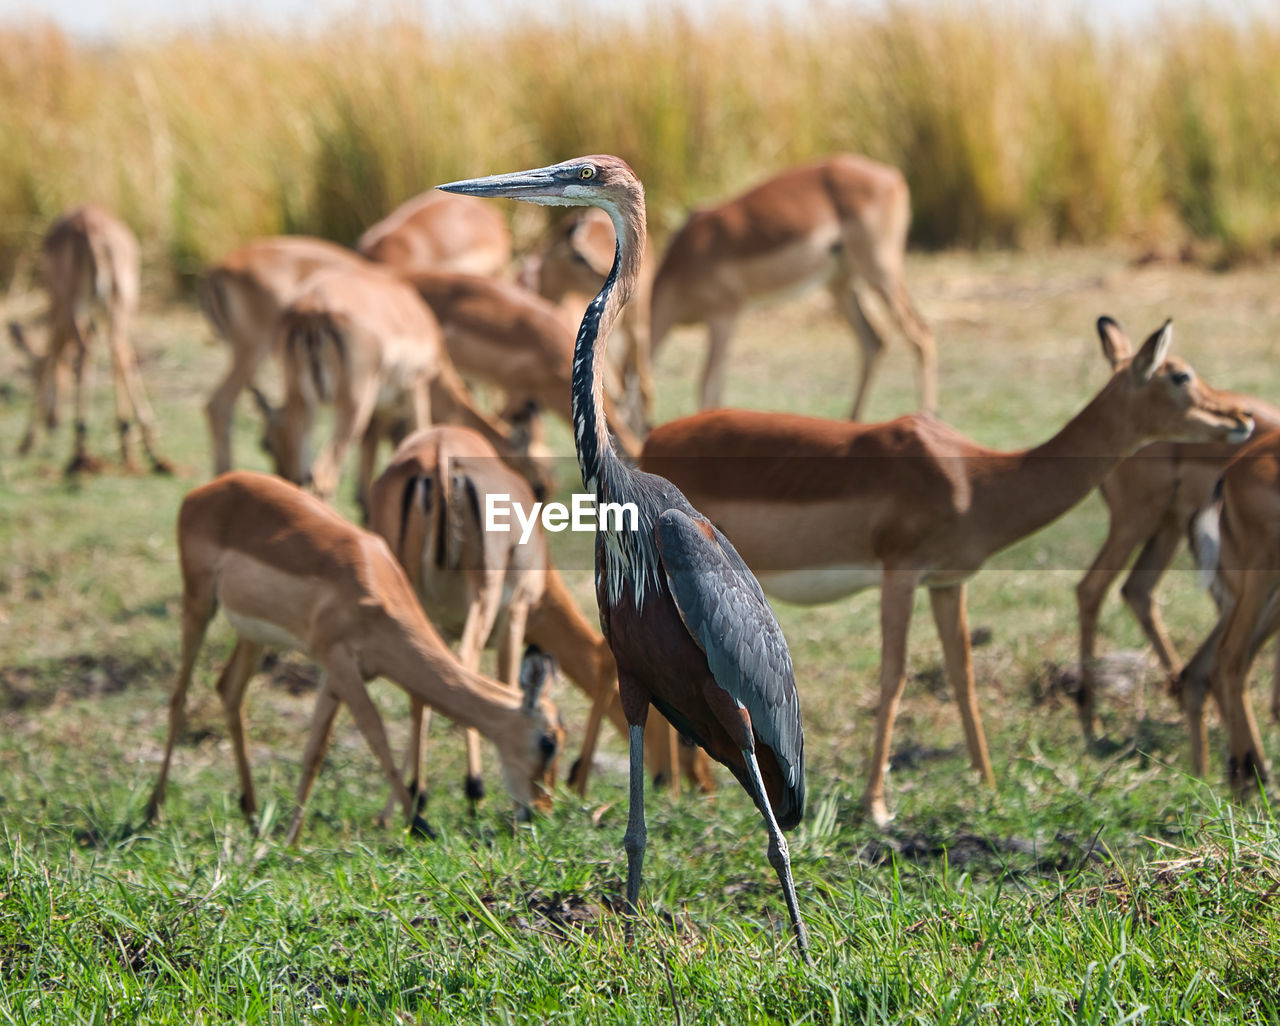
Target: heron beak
[[540, 184]]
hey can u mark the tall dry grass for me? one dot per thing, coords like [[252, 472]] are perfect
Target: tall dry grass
[[1013, 129]]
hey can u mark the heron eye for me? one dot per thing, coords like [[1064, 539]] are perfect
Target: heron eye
[[587, 172]]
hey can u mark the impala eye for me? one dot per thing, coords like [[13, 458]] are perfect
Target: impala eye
[[587, 173], [1180, 378]]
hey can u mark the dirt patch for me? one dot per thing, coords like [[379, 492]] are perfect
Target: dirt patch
[[557, 914], [1002, 856], [74, 677]]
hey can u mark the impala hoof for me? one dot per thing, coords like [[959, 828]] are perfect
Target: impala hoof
[[421, 828], [878, 813]]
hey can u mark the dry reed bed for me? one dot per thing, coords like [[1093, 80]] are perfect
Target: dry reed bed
[[1014, 129]]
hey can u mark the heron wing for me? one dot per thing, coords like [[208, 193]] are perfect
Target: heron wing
[[725, 612]]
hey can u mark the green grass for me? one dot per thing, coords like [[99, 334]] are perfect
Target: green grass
[[1087, 887]]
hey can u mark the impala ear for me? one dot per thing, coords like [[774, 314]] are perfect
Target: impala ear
[[1116, 346], [538, 674], [1153, 353]]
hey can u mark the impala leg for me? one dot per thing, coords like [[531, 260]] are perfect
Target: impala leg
[[695, 767], [197, 611], [322, 717], [870, 344], [351, 417], [779, 854], [419, 724], [131, 395], [896, 593], [368, 460], [580, 772], [350, 687], [235, 677], [246, 357], [1193, 685], [82, 371], [1247, 766], [1275, 687], [1139, 593], [1123, 535], [480, 622], [953, 629], [44, 402], [915, 330], [714, 372], [663, 758]]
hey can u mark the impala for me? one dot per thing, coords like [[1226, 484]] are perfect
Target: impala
[[841, 222], [820, 509], [1238, 546], [570, 265], [289, 571], [1150, 499], [242, 298], [474, 583], [363, 340], [436, 231], [508, 336], [90, 271]]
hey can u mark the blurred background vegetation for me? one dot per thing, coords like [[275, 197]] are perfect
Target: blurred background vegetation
[[1014, 129]]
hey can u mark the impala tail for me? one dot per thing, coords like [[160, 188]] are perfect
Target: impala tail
[[312, 342], [1205, 534], [215, 304]]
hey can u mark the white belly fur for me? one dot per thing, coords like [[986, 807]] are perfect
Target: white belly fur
[[815, 585], [263, 632]]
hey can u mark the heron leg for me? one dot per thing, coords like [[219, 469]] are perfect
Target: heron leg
[[779, 855], [633, 841]]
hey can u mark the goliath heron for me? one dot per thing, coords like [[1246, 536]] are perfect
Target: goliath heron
[[688, 624]]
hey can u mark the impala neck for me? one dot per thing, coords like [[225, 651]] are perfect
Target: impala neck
[[596, 455], [417, 659], [1017, 493], [557, 625]]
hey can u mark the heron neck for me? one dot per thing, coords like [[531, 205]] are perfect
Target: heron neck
[[591, 430]]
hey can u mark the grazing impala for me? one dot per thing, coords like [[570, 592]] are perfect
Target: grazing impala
[[90, 270], [436, 231], [243, 297], [572, 263], [1150, 498], [363, 340], [428, 504], [1238, 543], [508, 336], [289, 571], [820, 509], [842, 222]]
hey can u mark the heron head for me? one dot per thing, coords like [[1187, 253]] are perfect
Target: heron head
[[596, 181]]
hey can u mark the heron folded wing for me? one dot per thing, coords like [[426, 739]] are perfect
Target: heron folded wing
[[725, 611]]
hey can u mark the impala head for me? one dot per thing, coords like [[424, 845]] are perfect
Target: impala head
[[530, 770], [1175, 404], [287, 447], [528, 454], [597, 181]]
